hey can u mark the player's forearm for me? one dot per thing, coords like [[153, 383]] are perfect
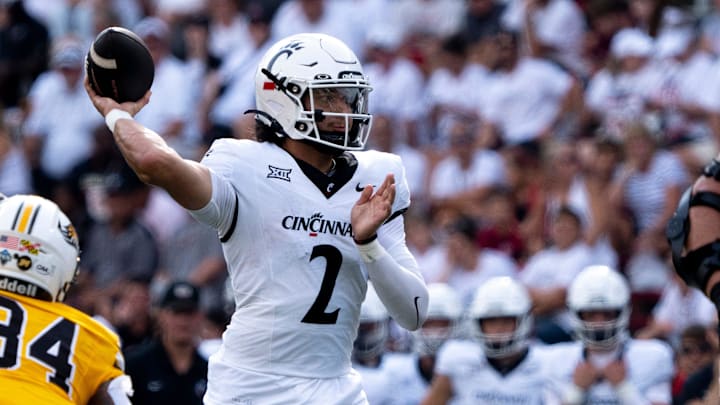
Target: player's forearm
[[401, 289], [158, 164]]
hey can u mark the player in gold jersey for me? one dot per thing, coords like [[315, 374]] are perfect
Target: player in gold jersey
[[50, 353]]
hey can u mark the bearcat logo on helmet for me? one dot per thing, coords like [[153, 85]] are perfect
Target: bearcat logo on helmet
[[288, 50]]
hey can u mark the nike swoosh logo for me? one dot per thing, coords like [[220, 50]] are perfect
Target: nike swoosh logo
[[360, 188], [417, 313]]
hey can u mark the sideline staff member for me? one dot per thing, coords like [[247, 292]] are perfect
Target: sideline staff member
[[169, 369]]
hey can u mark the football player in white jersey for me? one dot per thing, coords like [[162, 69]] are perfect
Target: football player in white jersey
[[605, 365], [498, 366], [305, 217], [410, 374]]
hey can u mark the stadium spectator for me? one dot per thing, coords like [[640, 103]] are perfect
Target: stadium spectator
[[173, 116], [482, 19], [548, 273], [446, 95], [170, 369], [678, 308], [229, 29], [466, 266], [615, 95], [696, 350], [460, 180], [525, 99], [554, 30], [499, 228], [326, 16], [605, 18], [14, 168], [230, 91], [193, 254], [397, 79], [648, 183], [130, 313], [386, 136], [120, 247], [437, 18], [57, 134], [23, 53]]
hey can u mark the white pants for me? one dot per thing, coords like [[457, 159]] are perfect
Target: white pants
[[229, 385]]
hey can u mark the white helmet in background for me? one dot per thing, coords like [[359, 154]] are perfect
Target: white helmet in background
[[39, 248], [599, 288], [444, 312], [502, 297], [309, 66], [373, 331]]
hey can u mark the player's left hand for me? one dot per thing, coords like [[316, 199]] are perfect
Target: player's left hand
[[371, 210], [615, 372]]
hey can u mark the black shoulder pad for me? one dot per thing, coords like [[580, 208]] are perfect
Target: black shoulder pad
[[696, 266]]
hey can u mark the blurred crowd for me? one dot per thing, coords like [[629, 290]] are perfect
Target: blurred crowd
[[539, 137]]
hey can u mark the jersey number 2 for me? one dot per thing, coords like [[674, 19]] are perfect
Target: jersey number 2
[[52, 347], [333, 260]]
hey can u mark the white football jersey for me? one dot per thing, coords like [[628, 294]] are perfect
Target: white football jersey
[[475, 381], [649, 365], [297, 276], [403, 373]]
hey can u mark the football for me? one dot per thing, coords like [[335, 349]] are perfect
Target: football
[[119, 65]]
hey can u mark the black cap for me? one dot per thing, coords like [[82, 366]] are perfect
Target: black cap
[[181, 296]]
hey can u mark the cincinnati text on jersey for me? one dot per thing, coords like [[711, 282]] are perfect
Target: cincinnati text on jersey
[[316, 224]]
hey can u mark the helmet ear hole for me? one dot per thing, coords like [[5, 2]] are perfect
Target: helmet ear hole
[[294, 88]]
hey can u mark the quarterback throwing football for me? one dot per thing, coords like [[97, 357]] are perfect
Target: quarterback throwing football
[[305, 216]]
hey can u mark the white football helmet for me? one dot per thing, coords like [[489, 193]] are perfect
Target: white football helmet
[[501, 297], [373, 331], [443, 306], [307, 66], [599, 288], [39, 248]]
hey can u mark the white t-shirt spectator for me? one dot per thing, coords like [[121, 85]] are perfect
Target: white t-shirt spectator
[[683, 310], [559, 24], [66, 118], [335, 20], [449, 178], [524, 102]]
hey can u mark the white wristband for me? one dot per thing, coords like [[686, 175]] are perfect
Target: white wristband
[[114, 115], [369, 252], [573, 395]]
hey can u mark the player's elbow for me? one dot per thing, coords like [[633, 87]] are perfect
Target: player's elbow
[[415, 314]]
